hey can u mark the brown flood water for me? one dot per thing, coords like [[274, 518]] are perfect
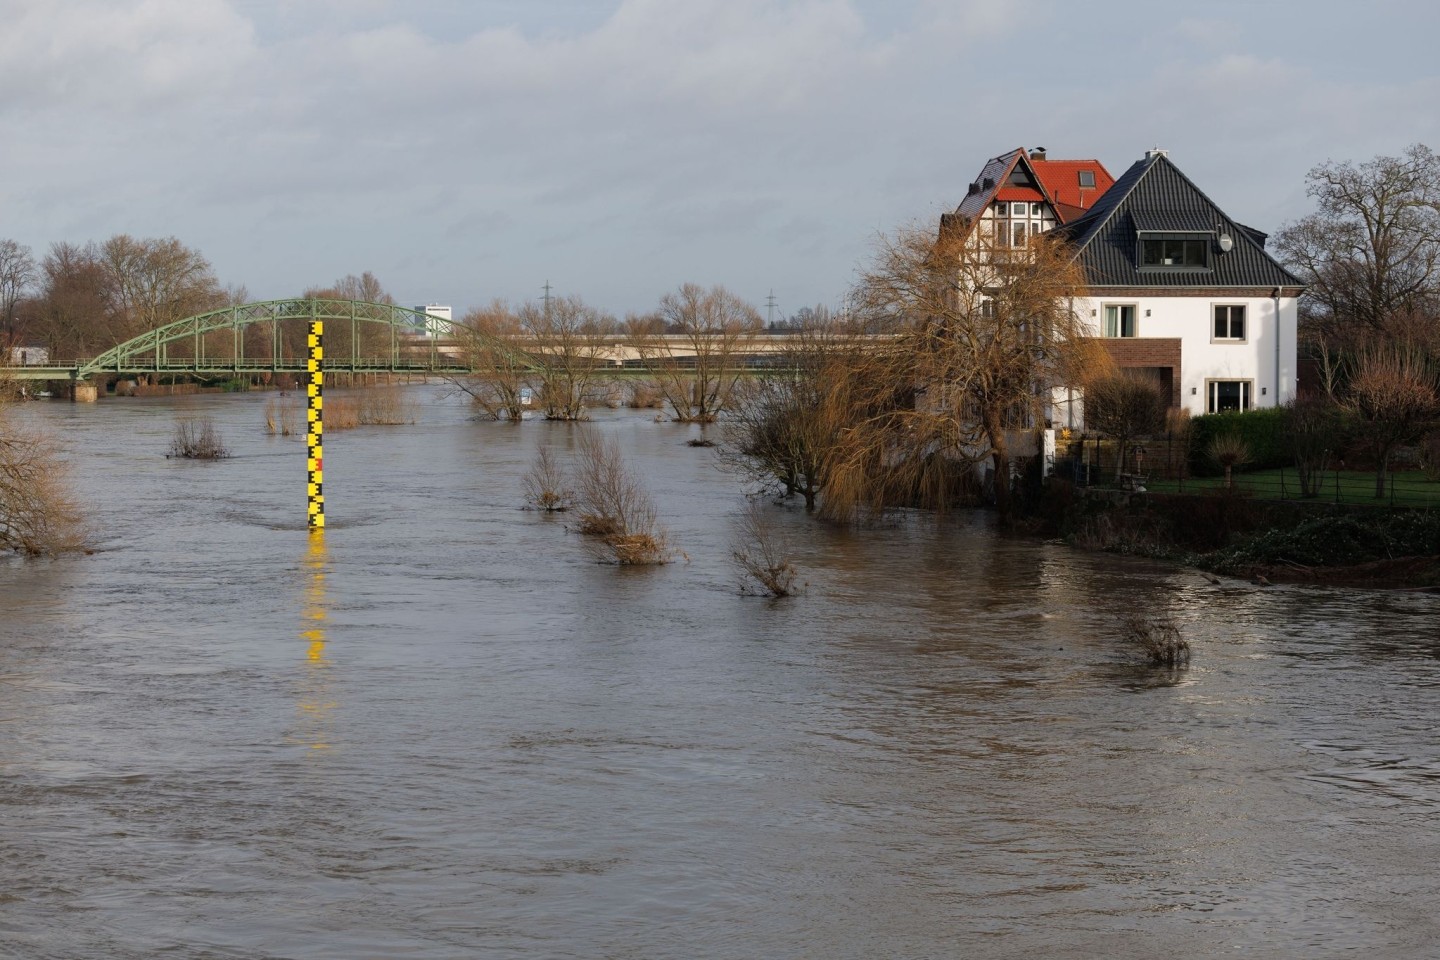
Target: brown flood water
[[444, 732]]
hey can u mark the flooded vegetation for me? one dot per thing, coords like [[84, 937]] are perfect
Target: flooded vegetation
[[443, 730]]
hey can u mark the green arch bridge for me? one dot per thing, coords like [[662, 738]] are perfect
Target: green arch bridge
[[270, 337]]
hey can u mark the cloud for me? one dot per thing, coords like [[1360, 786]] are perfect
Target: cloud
[[124, 56]]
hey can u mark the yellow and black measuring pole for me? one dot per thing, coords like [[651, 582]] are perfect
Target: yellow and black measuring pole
[[315, 426]]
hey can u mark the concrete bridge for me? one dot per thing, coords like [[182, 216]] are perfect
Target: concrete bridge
[[364, 337]]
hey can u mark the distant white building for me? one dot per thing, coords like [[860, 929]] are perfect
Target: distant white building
[[29, 356], [438, 319]]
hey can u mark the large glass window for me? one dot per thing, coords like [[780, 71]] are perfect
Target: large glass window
[[1119, 320], [1229, 322], [1228, 395], [1174, 253]]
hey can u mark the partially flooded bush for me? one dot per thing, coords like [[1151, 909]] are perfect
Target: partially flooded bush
[[38, 516], [1157, 637], [761, 553], [282, 416], [546, 485], [197, 439], [615, 510]]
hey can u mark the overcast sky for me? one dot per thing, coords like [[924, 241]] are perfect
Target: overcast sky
[[470, 149]]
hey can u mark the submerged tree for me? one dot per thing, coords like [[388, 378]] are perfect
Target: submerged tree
[[981, 335], [696, 353], [38, 515]]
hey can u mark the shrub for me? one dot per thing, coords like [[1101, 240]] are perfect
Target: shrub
[[1430, 454], [1157, 637], [546, 485], [1229, 450], [1262, 430], [761, 553], [1341, 540], [282, 416], [615, 509], [37, 514], [197, 440]]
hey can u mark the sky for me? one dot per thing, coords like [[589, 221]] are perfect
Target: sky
[[466, 150]]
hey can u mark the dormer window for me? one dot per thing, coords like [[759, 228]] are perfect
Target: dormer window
[[1174, 251], [1087, 179]]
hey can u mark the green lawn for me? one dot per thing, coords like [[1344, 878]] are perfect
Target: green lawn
[[1407, 488]]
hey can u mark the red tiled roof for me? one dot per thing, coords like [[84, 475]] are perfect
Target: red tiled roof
[[1061, 179], [1019, 193]]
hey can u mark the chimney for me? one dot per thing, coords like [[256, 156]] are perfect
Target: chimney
[[1154, 152], [1037, 154]]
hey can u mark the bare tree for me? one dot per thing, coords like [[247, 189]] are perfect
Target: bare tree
[[493, 342], [615, 509], [762, 553], [17, 275], [1371, 251], [1122, 408], [982, 335], [697, 358], [784, 433], [1393, 393], [570, 342], [153, 282], [1315, 430], [38, 515]]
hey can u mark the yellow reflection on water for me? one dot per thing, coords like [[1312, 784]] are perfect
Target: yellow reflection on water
[[315, 704]]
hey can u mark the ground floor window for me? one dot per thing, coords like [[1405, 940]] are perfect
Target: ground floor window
[[1229, 395]]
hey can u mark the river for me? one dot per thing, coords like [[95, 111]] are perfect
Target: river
[[442, 730]]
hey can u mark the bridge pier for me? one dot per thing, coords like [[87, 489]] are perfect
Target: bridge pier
[[83, 391]]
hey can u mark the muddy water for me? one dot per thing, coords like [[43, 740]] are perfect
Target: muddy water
[[443, 731]]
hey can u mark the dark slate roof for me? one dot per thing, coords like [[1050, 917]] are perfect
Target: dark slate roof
[[1154, 195]]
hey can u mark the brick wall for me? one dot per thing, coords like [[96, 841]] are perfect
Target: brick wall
[[1148, 352]]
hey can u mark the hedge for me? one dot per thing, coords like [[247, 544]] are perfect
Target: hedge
[[1263, 431]]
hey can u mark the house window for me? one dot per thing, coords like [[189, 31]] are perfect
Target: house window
[[1019, 233], [1229, 322], [1223, 395], [1002, 209], [1087, 179], [1002, 233], [1174, 252], [1119, 320], [1034, 209]]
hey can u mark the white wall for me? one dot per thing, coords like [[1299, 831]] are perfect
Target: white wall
[[1191, 319]]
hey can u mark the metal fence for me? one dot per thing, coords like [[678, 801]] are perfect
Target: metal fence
[[1162, 466]]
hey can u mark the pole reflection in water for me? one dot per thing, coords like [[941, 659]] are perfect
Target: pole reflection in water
[[315, 703]]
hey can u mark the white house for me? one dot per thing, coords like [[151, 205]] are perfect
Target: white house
[[29, 356], [438, 319], [1184, 293]]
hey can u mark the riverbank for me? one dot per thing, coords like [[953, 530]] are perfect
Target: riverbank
[[1283, 542]]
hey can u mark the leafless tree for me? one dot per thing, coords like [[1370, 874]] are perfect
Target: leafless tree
[[697, 358], [785, 434], [762, 554], [615, 510], [1393, 394], [493, 342], [17, 275], [547, 486], [982, 336], [152, 282], [1123, 408], [38, 514], [1371, 251], [570, 342], [1315, 430]]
